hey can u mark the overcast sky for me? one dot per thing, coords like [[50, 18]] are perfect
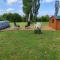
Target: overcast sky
[[15, 6]]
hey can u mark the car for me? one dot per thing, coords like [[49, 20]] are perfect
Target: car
[[4, 24]]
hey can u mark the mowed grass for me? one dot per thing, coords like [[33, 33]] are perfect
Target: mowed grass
[[25, 45], [18, 23], [25, 23]]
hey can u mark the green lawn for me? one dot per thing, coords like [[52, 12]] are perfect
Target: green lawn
[[25, 45], [24, 23], [19, 23], [45, 23]]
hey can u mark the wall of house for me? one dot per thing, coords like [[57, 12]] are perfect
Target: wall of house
[[58, 25], [52, 22]]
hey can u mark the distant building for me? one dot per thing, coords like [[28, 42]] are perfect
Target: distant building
[[54, 22]]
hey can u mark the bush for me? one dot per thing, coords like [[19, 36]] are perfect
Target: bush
[[37, 31], [44, 18], [12, 17]]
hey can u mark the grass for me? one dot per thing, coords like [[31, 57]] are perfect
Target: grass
[[45, 23], [25, 45], [19, 23], [25, 23]]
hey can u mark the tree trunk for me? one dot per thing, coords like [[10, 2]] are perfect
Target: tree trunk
[[15, 24], [28, 24]]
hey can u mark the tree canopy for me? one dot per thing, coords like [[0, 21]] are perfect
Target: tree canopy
[[12, 17], [30, 8]]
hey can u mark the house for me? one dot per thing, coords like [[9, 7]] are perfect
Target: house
[[54, 22]]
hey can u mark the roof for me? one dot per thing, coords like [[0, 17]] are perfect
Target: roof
[[57, 17]]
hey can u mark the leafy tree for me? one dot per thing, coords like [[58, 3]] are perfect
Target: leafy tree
[[36, 6], [4, 16], [30, 8], [16, 17], [11, 17], [27, 6], [44, 18]]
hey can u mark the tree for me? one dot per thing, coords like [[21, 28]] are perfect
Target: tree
[[27, 8], [57, 7], [4, 16], [36, 6], [30, 8], [12, 18], [44, 18], [16, 17]]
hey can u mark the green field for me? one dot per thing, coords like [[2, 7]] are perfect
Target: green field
[[25, 45], [24, 23]]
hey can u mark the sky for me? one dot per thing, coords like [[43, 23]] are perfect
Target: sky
[[16, 6]]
